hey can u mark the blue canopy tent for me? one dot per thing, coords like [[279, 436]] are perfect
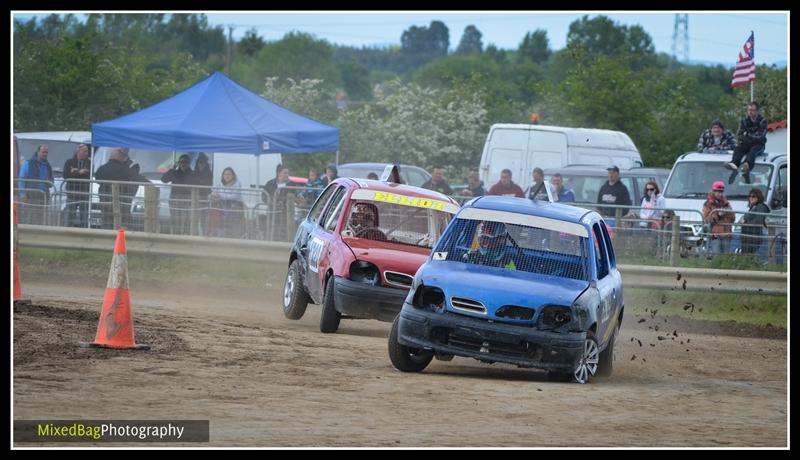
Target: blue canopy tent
[[217, 115]]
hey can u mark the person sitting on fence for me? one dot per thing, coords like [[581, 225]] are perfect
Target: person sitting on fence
[[227, 208], [754, 225], [718, 220], [652, 206], [752, 140], [716, 138]]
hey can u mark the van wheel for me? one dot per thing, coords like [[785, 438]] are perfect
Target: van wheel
[[329, 320]]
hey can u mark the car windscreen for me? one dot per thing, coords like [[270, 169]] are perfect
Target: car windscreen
[[693, 179], [395, 223], [509, 246]]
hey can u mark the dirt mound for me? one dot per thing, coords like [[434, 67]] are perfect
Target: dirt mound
[[50, 332]]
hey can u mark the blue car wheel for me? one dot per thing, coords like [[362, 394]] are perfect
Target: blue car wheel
[[406, 359], [587, 364]]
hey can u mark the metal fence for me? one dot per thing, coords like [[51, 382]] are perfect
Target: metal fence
[[252, 214]]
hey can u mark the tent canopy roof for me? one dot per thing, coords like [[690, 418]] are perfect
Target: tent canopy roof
[[217, 115]]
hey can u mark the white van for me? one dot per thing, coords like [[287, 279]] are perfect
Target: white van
[[522, 147], [693, 174]]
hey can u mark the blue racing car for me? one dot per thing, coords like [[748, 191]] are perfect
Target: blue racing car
[[524, 282]]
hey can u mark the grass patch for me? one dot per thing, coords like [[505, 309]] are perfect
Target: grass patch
[[145, 267], [187, 271], [758, 309], [722, 262]]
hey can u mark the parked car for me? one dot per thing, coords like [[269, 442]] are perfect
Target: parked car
[[358, 248], [411, 175], [529, 283], [585, 181]]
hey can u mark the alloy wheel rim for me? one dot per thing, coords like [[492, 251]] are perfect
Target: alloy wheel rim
[[288, 288], [587, 366]]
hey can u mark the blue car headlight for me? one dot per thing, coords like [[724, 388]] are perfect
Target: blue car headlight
[[429, 298], [554, 316]]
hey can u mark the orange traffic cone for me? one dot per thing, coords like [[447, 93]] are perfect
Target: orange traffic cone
[[115, 328], [18, 300]]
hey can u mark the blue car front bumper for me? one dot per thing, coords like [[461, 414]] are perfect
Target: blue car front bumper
[[460, 335]]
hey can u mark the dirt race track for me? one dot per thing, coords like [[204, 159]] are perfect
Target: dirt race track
[[229, 355]]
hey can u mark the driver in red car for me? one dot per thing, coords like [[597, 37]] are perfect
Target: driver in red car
[[364, 222]]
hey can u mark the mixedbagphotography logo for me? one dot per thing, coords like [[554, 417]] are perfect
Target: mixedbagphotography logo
[[111, 430]]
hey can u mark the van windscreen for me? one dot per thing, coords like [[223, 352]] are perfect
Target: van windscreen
[[693, 179]]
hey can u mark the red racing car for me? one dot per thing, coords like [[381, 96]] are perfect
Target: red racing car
[[357, 250]]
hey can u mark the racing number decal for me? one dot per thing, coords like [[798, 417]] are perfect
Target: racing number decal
[[314, 252]]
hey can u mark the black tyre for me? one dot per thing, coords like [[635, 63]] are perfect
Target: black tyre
[[295, 299], [587, 364], [605, 364], [404, 358], [329, 320]]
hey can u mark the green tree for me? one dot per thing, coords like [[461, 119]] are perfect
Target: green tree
[[299, 56], [251, 43], [424, 44], [535, 46], [355, 81], [470, 41], [601, 36], [771, 92]]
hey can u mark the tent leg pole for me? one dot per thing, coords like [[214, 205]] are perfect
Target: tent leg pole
[[337, 159]]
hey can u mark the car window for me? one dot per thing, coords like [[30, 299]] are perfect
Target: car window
[[334, 210], [612, 259], [601, 262], [519, 248], [780, 189], [639, 192], [415, 178], [319, 205]]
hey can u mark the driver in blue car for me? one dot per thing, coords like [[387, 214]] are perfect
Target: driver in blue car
[[491, 250]]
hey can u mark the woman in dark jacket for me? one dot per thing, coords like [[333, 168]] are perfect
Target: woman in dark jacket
[[754, 223]]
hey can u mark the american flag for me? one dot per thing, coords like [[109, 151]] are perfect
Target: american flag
[[745, 70]]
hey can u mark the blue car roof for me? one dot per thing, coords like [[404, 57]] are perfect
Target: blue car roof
[[556, 211]]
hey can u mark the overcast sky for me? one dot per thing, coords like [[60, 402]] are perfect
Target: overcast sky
[[714, 36]]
